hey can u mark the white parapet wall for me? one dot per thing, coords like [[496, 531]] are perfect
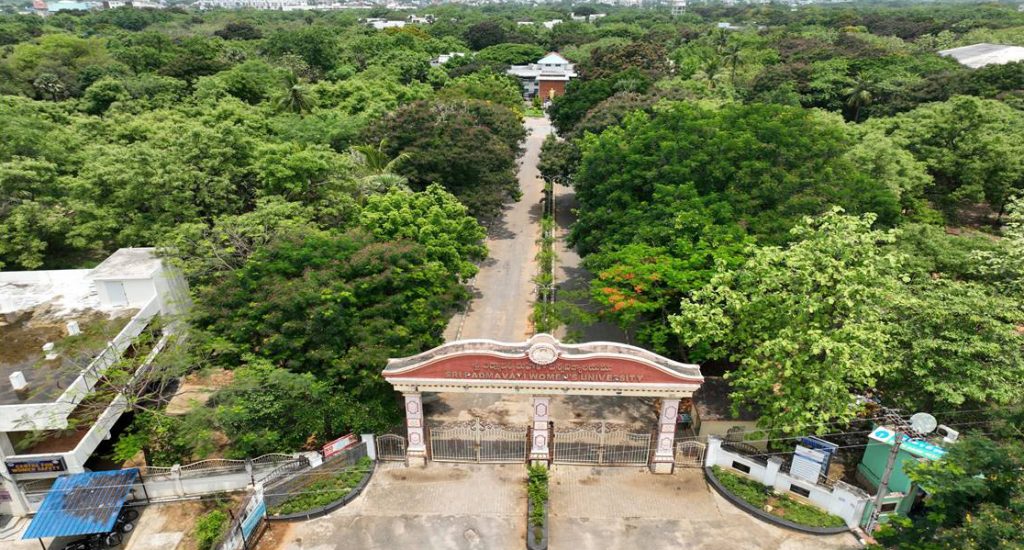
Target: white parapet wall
[[842, 499]]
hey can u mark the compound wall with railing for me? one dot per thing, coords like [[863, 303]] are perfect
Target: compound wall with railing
[[841, 499]]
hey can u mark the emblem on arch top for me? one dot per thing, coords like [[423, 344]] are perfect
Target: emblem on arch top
[[542, 354]]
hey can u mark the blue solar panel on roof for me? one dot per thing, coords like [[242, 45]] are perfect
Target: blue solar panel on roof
[[82, 504]]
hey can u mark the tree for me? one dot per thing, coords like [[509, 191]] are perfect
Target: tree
[[804, 323], [510, 54], [858, 96], [331, 304], [296, 98], [956, 345], [974, 150], [468, 147], [433, 218], [485, 86], [772, 164], [239, 30], [484, 34]]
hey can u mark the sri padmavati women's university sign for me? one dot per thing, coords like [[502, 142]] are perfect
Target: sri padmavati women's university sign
[[543, 365]]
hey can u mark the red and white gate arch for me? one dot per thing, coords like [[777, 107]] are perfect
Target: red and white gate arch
[[541, 367]]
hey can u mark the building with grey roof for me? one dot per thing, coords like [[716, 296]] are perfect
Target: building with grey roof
[[976, 56]]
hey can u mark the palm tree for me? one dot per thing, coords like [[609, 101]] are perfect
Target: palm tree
[[376, 169], [858, 96], [295, 99], [731, 58]]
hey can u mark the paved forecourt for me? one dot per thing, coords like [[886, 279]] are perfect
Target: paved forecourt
[[440, 507], [613, 508]]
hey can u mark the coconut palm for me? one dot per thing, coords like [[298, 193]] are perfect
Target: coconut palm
[[296, 98], [858, 96], [377, 171]]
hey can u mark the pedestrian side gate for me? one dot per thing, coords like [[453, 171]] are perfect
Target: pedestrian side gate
[[476, 441], [600, 444], [690, 454], [390, 447]]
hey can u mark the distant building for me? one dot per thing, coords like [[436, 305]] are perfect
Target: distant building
[[418, 20], [444, 58], [678, 7], [380, 24], [545, 78], [551, 24], [981, 55]]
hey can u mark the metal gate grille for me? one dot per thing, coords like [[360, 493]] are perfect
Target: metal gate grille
[[390, 447], [478, 442], [601, 444], [690, 454]]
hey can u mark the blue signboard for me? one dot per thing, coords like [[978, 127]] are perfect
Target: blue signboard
[[819, 444]]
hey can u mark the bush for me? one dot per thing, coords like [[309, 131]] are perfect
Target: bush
[[537, 492], [209, 529]]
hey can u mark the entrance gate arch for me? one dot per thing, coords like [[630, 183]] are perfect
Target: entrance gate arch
[[542, 367]]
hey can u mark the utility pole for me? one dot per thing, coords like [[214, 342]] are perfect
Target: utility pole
[[883, 484]]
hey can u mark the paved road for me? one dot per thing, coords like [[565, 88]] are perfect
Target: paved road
[[504, 289]]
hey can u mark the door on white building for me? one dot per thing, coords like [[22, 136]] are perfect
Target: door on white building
[[116, 293]]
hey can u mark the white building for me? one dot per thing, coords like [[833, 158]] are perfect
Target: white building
[[45, 386], [551, 24], [979, 55], [546, 78], [444, 58]]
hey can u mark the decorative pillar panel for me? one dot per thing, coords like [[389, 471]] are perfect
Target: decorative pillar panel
[[416, 446], [540, 444], [664, 455]]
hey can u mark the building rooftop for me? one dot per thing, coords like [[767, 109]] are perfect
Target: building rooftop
[[713, 401], [980, 55], [127, 263]]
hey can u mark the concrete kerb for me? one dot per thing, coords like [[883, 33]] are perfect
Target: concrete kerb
[[765, 516], [326, 509]]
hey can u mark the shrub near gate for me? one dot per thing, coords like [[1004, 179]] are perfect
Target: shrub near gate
[[537, 492], [761, 496]]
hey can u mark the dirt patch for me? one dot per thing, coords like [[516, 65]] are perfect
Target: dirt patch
[[276, 534], [196, 390], [425, 475]]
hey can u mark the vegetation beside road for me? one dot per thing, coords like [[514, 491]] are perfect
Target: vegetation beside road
[[537, 492], [325, 489], [765, 498]]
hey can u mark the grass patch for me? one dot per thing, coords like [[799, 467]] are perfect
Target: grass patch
[[537, 492], [210, 527], [534, 112], [324, 490], [782, 506]]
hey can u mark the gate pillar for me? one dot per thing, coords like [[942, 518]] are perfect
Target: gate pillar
[[664, 457], [540, 452], [416, 451]]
